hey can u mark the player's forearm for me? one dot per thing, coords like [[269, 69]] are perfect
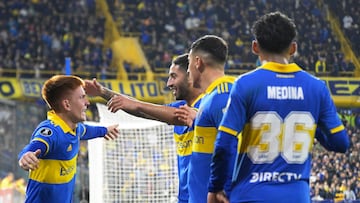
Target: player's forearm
[[338, 142], [32, 147], [222, 161], [93, 132], [107, 93], [159, 112]]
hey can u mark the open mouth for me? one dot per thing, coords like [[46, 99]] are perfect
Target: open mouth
[[173, 89]]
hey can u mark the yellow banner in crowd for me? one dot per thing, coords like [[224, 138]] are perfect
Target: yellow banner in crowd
[[345, 91], [31, 88], [10, 89]]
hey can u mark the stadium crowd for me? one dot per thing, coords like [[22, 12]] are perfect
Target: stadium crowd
[[71, 28], [167, 27], [67, 29], [347, 14], [336, 176]]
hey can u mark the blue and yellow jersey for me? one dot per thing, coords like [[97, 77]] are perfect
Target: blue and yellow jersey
[[54, 180], [273, 112], [206, 123], [183, 136]]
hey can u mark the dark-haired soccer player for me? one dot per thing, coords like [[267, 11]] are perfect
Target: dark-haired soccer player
[[184, 93], [207, 59], [52, 152], [274, 112]]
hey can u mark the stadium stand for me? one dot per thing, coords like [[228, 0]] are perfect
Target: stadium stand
[[36, 36], [67, 29], [165, 29]]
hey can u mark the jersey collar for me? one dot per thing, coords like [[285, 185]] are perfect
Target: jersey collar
[[223, 79], [52, 116], [282, 68]]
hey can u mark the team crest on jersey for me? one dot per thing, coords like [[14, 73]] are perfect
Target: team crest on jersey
[[46, 132]]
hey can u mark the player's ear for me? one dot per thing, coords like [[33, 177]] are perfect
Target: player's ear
[[293, 48], [255, 47], [66, 104], [199, 63]]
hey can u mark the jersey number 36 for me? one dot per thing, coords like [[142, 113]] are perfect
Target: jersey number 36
[[291, 138]]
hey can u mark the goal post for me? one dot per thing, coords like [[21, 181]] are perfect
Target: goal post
[[139, 166]]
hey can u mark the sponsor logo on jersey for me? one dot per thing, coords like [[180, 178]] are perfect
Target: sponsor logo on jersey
[[274, 177], [66, 171]]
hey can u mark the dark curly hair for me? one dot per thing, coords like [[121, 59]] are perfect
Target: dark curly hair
[[274, 32]]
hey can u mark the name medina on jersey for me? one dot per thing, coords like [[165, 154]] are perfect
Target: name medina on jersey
[[274, 177], [285, 92]]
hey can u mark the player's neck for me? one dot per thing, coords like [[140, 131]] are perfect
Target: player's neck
[[67, 120], [274, 58], [209, 76], [194, 93]]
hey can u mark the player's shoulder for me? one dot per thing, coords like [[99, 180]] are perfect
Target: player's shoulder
[[45, 129], [223, 85]]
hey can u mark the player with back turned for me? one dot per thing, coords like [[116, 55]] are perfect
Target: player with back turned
[[274, 113]]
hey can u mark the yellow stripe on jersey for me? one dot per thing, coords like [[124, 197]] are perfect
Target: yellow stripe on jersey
[[337, 129], [222, 88], [239, 137], [228, 130], [184, 143], [43, 141], [54, 171], [204, 139], [222, 84], [248, 138]]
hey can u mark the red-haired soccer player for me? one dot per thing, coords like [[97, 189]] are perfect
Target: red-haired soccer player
[[51, 155]]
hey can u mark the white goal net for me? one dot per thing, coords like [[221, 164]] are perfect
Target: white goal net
[[139, 166]]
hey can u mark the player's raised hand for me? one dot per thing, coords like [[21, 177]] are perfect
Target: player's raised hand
[[218, 197], [92, 87], [30, 161], [186, 114], [122, 102], [113, 132]]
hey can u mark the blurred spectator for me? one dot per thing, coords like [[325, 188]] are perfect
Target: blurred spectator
[[8, 181], [320, 65], [20, 185], [349, 194]]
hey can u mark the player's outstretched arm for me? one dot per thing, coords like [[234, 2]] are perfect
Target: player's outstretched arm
[[93, 88], [117, 101], [144, 109]]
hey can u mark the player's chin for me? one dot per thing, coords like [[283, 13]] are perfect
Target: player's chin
[[179, 97], [83, 117]]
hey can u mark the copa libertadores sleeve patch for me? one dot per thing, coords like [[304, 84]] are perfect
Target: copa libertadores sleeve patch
[[46, 132]]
